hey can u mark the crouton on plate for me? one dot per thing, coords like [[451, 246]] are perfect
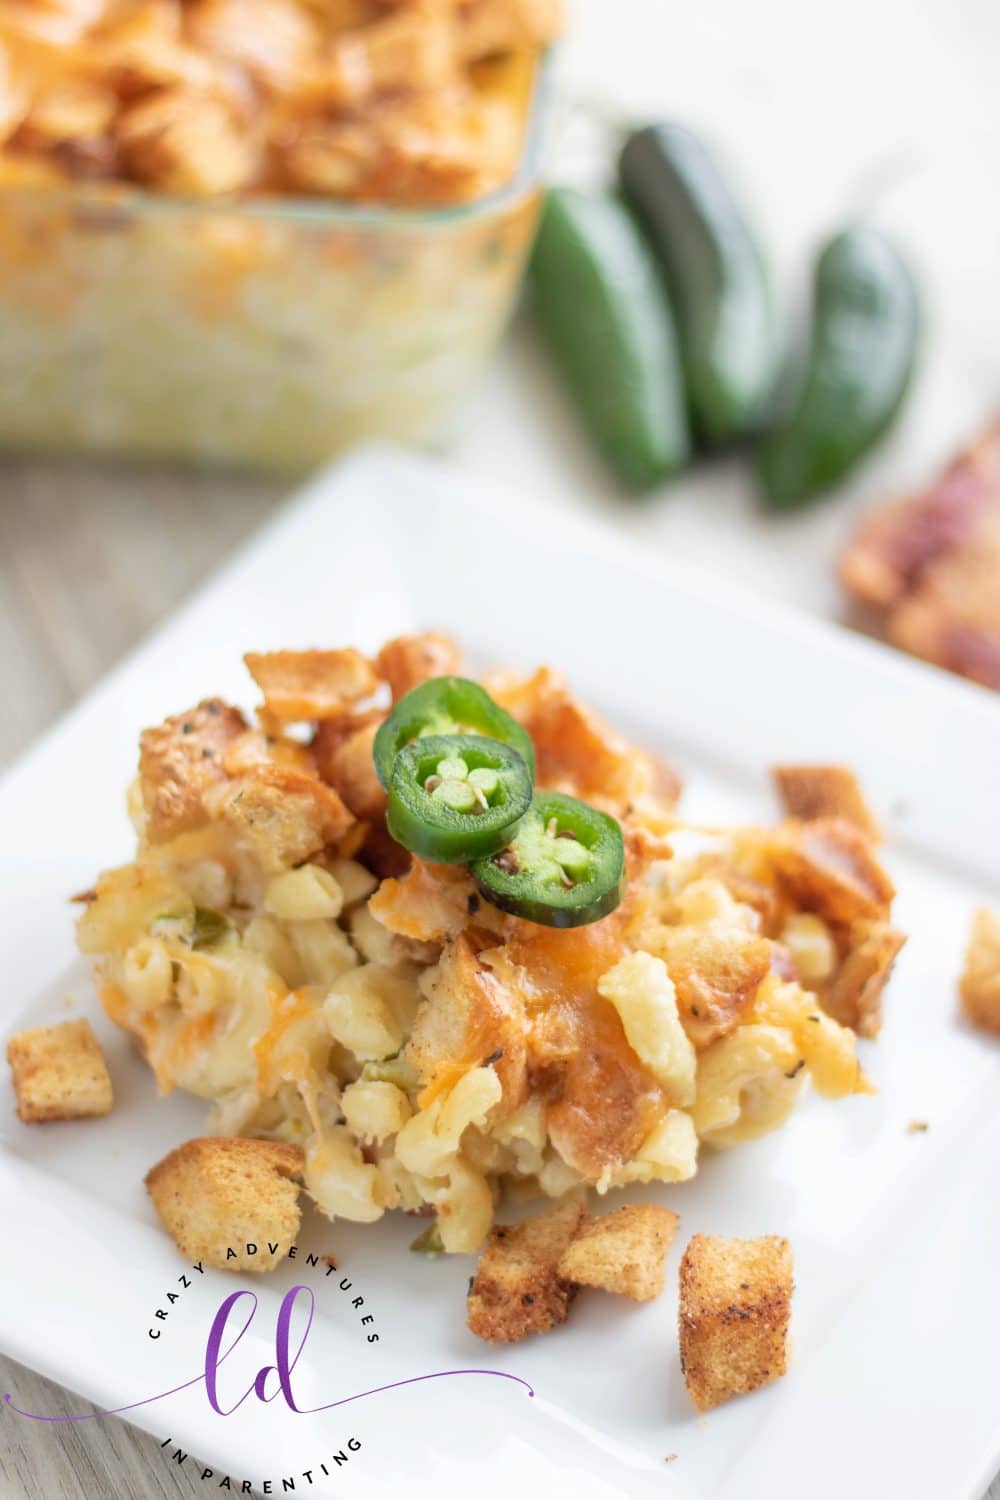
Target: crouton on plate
[[517, 1288], [979, 989], [735, 1305], [623, 1251], [218, 1196], [59, 1073]]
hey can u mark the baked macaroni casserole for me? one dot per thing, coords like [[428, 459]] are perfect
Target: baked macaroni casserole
[[415, 102], [274, 950], [257, 232]]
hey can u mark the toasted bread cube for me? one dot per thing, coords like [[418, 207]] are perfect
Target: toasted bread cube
[[284, 815], [59, 1073], [980, 984], [180, 763], [735, 1306], [854, 995], [623, 1251], [829, 867], [407, 660], [811, 792], [343, 752], [517, 1288], [311, 684], [217, 1197]]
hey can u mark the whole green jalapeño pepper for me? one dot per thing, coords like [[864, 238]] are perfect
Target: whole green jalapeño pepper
[[447, 705], [865, 333], [564, 866], [455, 797]]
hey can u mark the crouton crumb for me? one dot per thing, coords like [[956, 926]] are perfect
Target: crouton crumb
[[735, 1305], [623, 1251], [59, 1073]]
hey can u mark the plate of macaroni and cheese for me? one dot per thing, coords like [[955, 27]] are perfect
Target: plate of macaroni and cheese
[[489, 913]]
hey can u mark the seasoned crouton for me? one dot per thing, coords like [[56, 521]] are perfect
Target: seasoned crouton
[[854, 994], [408, 660], [59, 1073], [716, 970], [979, 989], [811, 792], [255, 748], [828, 867], [735, 1307], [180, 761], [517, 1288], [623, 1251], [576, 751], [311, 684], [283, 814], [216, 1197], [470, 1014], [343, 751]]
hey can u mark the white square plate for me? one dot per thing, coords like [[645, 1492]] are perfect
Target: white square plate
[[892, 1388]]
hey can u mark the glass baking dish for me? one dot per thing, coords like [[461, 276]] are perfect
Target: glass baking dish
[[267, 334]]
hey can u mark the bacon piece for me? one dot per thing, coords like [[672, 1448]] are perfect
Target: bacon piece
[[953, 619], [896, 543], [930, 566]]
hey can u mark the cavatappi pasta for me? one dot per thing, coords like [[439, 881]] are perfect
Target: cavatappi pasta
[[274, 952]]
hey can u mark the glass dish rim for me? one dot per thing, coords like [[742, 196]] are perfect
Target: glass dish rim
[[315, 214]]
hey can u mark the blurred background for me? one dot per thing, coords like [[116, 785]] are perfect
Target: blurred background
[[885, 110]]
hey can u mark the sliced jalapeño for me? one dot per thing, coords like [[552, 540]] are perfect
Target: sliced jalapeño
[[447, 705], [564, 866], [454, 797]]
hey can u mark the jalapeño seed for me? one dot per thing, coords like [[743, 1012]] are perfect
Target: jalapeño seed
[[571, 856], [453, 768], [486, 780], [458, 795]]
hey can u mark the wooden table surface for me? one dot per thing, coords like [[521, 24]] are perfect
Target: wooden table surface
[[90, 560]]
